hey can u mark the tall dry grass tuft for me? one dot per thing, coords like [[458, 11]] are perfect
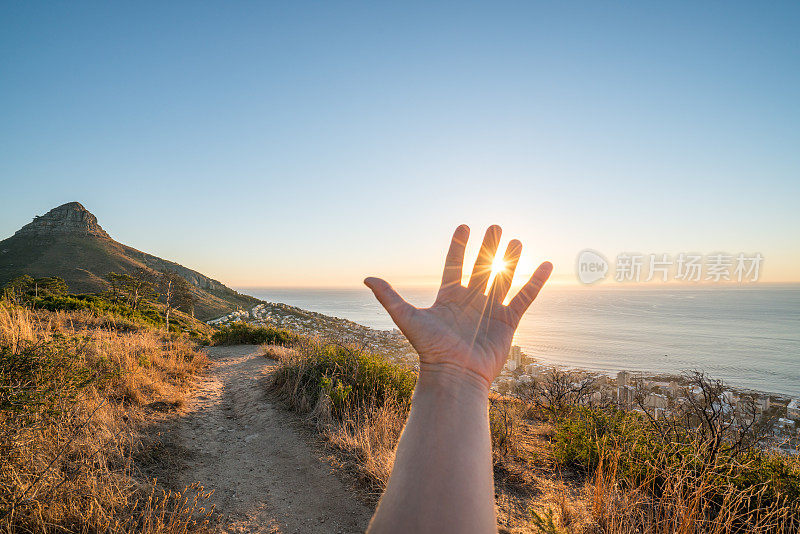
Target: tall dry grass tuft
[[367, 441], [16, 327], [75, 397]]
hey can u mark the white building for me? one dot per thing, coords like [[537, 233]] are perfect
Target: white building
[[533, 369], [626, 395], [623, 378], [785, 423], [793, 409]]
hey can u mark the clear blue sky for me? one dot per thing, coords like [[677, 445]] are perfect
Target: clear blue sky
[[315, 143]]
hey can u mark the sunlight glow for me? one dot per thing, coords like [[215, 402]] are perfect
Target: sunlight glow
[[498, 265]]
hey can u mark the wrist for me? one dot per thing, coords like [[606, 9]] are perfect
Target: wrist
[[452, 380]]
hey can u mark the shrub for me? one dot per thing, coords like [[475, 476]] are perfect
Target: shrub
[[36, 379], [504, 418], [358, 401], [356, 379], [144, 315], [245, 334], [25, 288]]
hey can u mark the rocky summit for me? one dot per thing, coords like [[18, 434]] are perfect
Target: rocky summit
[[68, 219]]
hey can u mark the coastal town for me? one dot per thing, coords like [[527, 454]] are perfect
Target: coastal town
[[664, 397], [658, 397]]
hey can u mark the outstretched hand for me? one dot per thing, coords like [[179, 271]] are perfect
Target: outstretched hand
[[466, 332]]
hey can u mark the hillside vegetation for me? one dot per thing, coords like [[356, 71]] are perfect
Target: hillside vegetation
[[143, 307], [79, 392], [558, 469], [240, 333]]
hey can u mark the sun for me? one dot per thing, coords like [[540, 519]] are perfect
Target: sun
[[498, 265]]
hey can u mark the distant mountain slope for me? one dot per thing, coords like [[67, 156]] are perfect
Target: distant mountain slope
[[68, 242]]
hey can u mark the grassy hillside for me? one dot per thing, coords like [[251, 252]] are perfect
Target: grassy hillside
[[149, 314], [84, 261], [80, 393]]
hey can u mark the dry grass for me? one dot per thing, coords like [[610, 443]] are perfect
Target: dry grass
[[76, 395], [366, 443], [676, 497]]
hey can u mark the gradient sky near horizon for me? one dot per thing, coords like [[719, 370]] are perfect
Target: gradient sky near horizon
[[311, 144]]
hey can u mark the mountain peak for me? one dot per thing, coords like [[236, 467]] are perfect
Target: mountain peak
[[67, 242], [68, 219]]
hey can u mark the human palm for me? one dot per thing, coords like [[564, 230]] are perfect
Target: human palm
[[466, 329]]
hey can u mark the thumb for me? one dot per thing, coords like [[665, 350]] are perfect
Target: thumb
[[397, 307]]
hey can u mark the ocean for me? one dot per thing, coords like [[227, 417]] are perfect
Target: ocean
[[749, 336]]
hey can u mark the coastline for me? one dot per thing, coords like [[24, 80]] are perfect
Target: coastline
[[393, 344]]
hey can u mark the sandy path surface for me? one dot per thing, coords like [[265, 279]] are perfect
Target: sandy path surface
[[265, 475]]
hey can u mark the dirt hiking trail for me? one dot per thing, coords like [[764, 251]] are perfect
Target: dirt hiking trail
[[265, 475]]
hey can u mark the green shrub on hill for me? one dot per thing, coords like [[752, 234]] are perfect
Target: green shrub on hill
[[99, 305], [96, 304], [25, 288], [246, 334], [358, 401], [352, 379], [130, 298]]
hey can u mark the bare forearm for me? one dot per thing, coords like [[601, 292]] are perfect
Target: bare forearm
[[442, 478]]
